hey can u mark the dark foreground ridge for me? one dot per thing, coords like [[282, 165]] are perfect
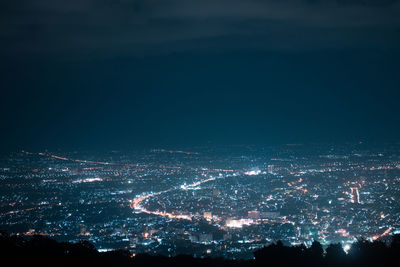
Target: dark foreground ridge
[[43, 251]]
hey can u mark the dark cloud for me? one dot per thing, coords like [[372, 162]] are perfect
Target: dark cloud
[[142, 26]]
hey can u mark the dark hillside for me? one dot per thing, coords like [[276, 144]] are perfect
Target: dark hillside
[[43, 251]]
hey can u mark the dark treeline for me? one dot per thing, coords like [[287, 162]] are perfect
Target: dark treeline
[[42, 251]]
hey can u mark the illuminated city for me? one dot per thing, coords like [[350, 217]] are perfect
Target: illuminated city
[[222, 202]]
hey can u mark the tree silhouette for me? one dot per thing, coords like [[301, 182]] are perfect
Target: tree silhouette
[[335, 254], [42, 251]]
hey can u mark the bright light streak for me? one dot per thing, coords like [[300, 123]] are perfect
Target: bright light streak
[[135, 203]]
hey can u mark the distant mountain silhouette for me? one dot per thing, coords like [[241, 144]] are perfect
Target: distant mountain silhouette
[[43, 251]]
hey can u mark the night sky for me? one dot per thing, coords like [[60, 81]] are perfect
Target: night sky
[[109, 74]]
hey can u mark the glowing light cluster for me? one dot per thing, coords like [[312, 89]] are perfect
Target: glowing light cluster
[[253, 172], [87, 180], [239, 223]]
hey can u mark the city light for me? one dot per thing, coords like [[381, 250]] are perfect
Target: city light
[[204, 199]]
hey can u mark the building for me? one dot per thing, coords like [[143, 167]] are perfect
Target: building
[[207, 215], [253, 214], [271, 169]]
